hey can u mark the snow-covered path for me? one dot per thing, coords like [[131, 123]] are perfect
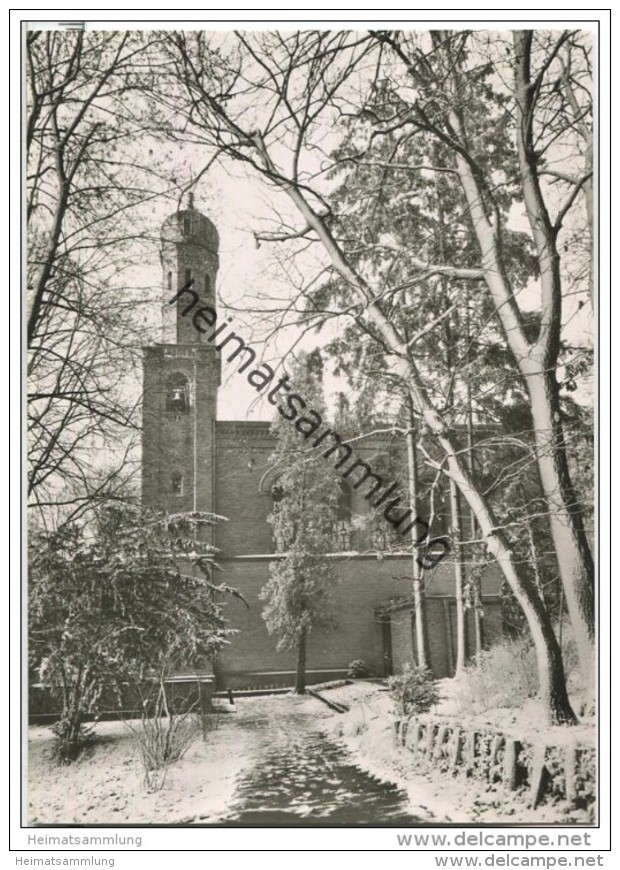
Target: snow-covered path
[[298, 775]]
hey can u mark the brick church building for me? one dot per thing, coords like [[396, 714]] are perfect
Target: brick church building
[[193, 461]]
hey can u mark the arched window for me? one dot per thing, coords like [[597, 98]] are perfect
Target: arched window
[[187, 224], [177, 393], [176, 483], [207, 284], [188, 277], [343, 510], [169, 280]]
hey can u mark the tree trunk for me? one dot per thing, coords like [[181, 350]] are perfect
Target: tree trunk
[[534, 559], [459, 584], [565, 517], [300, 677], [478, 623], [416, 570], [473, 527], [538, 367], [588, 187]]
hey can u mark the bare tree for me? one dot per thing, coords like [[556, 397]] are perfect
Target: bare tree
[[293, 81], [87, 179], [419, 610]]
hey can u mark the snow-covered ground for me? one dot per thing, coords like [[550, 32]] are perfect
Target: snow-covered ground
[[106, 785], [368, 733]]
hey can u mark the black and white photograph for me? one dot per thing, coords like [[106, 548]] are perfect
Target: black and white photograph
[[311, 399]]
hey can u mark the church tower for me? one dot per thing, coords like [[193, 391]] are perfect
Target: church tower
[[182, 374]]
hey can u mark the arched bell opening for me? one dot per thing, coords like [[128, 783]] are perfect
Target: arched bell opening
[[178, 399]]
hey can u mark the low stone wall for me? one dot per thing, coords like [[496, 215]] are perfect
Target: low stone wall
[[539, 772]]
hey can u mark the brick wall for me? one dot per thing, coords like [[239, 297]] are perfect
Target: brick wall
[[244, 477], [242, 461], [366, 585]]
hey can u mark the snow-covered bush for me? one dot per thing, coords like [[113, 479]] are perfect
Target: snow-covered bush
[[110, 603], [164, 735], [504, 676], [415, 690], [358, 669]]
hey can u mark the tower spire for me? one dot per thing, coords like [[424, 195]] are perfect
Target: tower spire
[[189, 253]]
